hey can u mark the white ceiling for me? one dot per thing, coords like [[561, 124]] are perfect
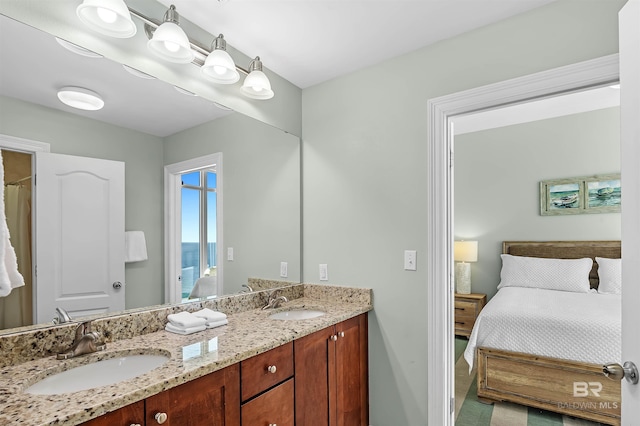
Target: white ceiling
[[311, 41]]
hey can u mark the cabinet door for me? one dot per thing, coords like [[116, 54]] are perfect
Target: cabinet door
[[132, 414], [311, 355], [274, 407], [213, 399], [351, 373]]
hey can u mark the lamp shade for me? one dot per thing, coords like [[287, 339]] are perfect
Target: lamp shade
[[108, 17], [465, 251], [256, 85], [80, 98], [170, 43], [219, 66]]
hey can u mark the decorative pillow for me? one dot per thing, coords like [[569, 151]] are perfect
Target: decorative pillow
[[552, 274], [610, 275]]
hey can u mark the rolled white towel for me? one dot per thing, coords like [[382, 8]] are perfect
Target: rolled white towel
[[188, 330], [214, 324], [185, 319], [210, 315]]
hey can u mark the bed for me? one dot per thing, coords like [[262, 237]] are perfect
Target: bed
[[548, 351]]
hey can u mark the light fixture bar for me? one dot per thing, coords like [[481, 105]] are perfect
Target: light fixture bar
[[150, 25]]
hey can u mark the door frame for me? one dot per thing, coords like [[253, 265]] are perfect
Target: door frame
[[570, 78], [173, 215], [28, 146]]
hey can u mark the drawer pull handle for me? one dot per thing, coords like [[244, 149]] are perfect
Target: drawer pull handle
[[160, 418], [272, 369], [459, 309], [272, 424], [341, 334], [334, 337], [134, 424], [460, 322]]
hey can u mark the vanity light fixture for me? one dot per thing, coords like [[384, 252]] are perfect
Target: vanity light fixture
[[256, 85], [81, 98], [108, 17], [169, 41], [219, 66]]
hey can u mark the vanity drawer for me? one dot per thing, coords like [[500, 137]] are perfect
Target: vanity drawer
[[263, 371], [271, 408], [465, 309]]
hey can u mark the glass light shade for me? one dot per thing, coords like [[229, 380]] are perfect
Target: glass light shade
[[220, 68], [465, 251], [71, 47], [108, 17], [81, 98], [170, 43], [257, 86]]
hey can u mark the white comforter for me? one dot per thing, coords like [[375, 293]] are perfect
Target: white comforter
[[574, 326]]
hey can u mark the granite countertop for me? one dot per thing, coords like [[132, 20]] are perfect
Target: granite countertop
[[248, 333]]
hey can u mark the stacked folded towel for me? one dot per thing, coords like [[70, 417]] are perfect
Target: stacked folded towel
[[213, 318], [185, 323]]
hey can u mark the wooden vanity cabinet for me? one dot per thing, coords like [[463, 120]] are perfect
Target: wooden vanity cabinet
[[266, 382], [331, 375], [213, 399]]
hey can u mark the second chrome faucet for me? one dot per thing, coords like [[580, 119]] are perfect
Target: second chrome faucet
[[86, 341], [274, 300]]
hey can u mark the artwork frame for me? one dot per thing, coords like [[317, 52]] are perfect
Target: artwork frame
[[581, 195]]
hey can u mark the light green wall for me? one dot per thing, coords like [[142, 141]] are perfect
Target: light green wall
[[497, 175], [365, 174], [261, 194], [142, 154]]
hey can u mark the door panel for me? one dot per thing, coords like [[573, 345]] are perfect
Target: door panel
[[630, 133], [80, 235]]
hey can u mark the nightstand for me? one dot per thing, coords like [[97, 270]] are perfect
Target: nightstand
[[467, 308]]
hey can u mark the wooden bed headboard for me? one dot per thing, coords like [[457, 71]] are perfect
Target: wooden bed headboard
[[566, 250]]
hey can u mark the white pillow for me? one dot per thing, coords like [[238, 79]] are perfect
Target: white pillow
[[610, 275], [553, 274]]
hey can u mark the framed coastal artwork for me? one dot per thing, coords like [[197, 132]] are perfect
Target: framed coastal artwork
[[580, 195]]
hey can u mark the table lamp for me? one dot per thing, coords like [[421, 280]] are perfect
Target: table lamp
[[463, 253]]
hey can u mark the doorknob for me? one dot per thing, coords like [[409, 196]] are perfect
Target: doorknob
[[117, 285], [616, 372]]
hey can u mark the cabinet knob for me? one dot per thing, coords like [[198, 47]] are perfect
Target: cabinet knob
[[160, 418], [272, 369], [135, 424], [341, 334], [334, 337], [272, 424]]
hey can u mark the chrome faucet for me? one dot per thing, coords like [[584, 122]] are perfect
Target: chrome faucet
[[274, 300], [248, 287], [85, 342], [63, 316]]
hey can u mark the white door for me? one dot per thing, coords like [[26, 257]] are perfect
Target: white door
[[630, 150], [79, 235]]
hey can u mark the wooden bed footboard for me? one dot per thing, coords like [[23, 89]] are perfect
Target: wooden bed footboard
[[567, 387]]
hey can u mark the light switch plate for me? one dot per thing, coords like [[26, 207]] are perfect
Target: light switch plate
[[229, 253], [410, 260], [283, 269], [324, 272]]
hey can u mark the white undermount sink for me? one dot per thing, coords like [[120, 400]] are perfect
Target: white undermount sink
[[101, 373], [297, 314]]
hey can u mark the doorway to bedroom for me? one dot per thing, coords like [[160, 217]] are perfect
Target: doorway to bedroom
[[501, 156]]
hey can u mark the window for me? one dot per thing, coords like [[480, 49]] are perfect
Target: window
[[198, 230], [193, 228]]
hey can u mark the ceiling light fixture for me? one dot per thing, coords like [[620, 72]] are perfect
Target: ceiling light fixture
[[219, 66], [256, 85], [108, 17], [169, 41], [138, 73], [80, 98], [71, 47]]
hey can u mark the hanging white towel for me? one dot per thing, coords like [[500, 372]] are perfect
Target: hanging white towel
[[10, 278], [135, 246]]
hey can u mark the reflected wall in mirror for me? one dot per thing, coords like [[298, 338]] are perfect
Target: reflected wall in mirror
[[147, 125]]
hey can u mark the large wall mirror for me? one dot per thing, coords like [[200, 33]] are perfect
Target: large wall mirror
[[149, 124]]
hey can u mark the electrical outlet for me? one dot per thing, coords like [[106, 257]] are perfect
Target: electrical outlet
[[324, 272], [229, 253], [283, 269], [409, 260]]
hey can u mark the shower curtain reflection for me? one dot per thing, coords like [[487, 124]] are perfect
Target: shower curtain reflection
[[16, 309]]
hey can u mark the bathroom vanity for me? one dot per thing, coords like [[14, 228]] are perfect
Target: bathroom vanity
[[256, 370]]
